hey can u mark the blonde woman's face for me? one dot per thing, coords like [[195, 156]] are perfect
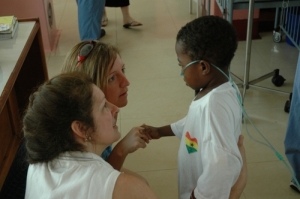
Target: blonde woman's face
[[117, 87]]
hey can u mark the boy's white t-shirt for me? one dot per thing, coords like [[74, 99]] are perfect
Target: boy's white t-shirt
[[72, 175], [209, 161]]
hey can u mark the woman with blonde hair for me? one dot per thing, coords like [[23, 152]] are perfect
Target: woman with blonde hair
[[103, 64]]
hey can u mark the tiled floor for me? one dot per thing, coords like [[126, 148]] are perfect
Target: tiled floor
[[158, 95]]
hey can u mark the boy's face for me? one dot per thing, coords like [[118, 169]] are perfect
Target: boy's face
[[192, 74]]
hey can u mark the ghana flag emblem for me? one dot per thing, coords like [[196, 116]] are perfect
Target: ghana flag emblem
[[191, 143]]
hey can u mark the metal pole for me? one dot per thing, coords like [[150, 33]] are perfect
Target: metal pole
[[248, 47]]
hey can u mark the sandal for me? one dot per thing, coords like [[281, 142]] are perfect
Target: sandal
[[104, 22], [133, 23]]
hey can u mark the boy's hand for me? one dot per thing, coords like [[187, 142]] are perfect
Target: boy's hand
[[151, 131]]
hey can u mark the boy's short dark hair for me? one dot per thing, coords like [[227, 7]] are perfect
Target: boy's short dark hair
[[209, 38]]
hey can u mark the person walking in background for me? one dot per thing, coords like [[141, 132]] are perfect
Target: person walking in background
[[128, 21], [89, 19]]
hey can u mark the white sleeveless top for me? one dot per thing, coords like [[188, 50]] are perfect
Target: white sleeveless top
[[71, 175]]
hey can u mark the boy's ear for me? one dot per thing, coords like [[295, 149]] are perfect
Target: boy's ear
[[77, 128], [205, 67]]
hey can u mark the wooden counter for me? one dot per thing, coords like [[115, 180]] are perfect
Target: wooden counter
[[22, 68]]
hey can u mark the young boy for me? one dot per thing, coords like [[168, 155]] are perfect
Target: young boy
[[209, 161]]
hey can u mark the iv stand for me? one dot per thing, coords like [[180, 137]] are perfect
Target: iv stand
[[246, 83]]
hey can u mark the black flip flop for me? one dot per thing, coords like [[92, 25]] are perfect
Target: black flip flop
[[128, 25]]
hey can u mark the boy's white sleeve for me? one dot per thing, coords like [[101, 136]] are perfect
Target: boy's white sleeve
[[177, 127]]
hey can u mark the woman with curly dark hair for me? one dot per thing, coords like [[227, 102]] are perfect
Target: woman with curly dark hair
[[67, 126]]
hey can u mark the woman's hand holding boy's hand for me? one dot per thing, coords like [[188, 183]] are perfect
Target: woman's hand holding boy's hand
[[152, 132], [134, 140]]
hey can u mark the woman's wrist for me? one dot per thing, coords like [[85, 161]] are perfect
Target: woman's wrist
[[120, 150]]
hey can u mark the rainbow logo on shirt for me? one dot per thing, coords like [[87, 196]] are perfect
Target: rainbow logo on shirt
[[191, 143]]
